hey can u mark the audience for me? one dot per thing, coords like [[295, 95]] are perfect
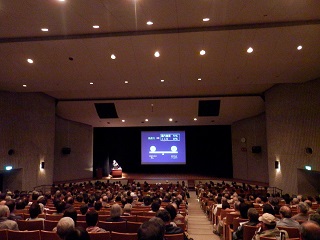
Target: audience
[[302, 214], [11, 205], [286, 220], [6, 223], [253, 216], [34, 212], [65, 226], [92, 221], [150, 230], [115, 214]]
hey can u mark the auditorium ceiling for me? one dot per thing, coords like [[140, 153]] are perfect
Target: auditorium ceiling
[[105, 51]]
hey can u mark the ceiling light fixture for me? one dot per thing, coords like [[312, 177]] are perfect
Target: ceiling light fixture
[[161, 80], [149, 23], [29, 60], [113, 56], [123, 120], [195, 119], [61, 0], [24, 85], [250, 50], [157, 54], [44, 29], [170, 119], [202, 52], [91, 83], [199, 79], [146, 120], [126, 82], [299, 47], [95, 26], [206, 19]]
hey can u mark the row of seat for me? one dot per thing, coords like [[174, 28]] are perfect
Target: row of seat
[[49, 235], [249, 232], [125, 227]]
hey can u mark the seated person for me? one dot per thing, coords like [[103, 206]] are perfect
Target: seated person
[[6, 223], [150, 231], [77, 234], [286, 220], [115, 214], [127, 209], [60, 207], [302, 214], [34, 212], [253, 216], [92, 221], [268, 227], [164, 215], [72, 213], [83, 209], [11, 205], [310, 231], [64, 227]]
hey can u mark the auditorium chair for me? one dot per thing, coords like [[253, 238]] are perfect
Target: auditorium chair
[[82, 224], [54, 217], [143, 218], [3, 234], [178, 236], [25, 235], [49, 235], [131, 218], [227, 225], [292, 232], [50, 225], [123, 236], [113, 226], [249, 232], [30, 225], [132, 227], [100, 235]]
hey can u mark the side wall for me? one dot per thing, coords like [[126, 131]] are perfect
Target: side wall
[[27, 123], [77, 164], [248, 165], [293, 120]]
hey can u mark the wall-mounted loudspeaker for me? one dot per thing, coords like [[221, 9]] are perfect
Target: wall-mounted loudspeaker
[[256, 149], [66, 150], [10, 152]]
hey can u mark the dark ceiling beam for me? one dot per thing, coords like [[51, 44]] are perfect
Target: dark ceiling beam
[[163, 31]]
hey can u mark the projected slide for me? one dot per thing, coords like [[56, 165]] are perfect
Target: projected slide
[[163, 147]]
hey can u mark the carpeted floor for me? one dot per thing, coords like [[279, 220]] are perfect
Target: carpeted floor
[[199, 227]]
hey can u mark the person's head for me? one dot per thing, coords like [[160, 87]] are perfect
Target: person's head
[[150, 230], [127, 208], [98, 205], [20, 204], [303, 208], [84, 209], [315, 218], [77, 234], [71, 212], [172, 211], [309, 231], [243, 209], [4, 211], [34, 210], [65, 226], [267, 208], [155, 205], [285, 212], [253, 214], [35, 195], [11, 204], [115, 211], [268, 221], [92, 218], [164, 215], [60, 206]]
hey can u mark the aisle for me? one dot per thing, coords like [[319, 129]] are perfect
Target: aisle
[[199, 227]]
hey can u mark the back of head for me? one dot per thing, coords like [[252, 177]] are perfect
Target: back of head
[[267, 208], [172, 211], [71, 212], [243, 208], [11, 204], [34, 210], [115, 211], [315, 217], [92, 218], [65, 226], [127, 208], [285, 211], [310, 231], [83, 209], [155, 205], [253, 214], [303, 207], [4, 211], [77, 234], [164, 215], [150, 230]]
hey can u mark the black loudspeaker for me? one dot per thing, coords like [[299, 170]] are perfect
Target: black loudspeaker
[[276, 164], [66, 150], [106, 110], [42, 165], [208, 108], [256, 149], [10, 152]]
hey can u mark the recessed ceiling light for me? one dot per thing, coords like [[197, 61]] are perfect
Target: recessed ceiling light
[[44, 29], [91, 83], [199, 79], [29, 60], [161, 80], [299, 47], [195, 119], [146, 120], [157, 54], [95, 26], [123, 120], [250, 50], [149, 23], [24, 85], [113, 56], [206, 19], [61, 0], [170, 119], [202, 52], [126, 82]]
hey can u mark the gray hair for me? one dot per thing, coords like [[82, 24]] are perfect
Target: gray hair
[[115, 210], [65, 226], [4, 211]]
